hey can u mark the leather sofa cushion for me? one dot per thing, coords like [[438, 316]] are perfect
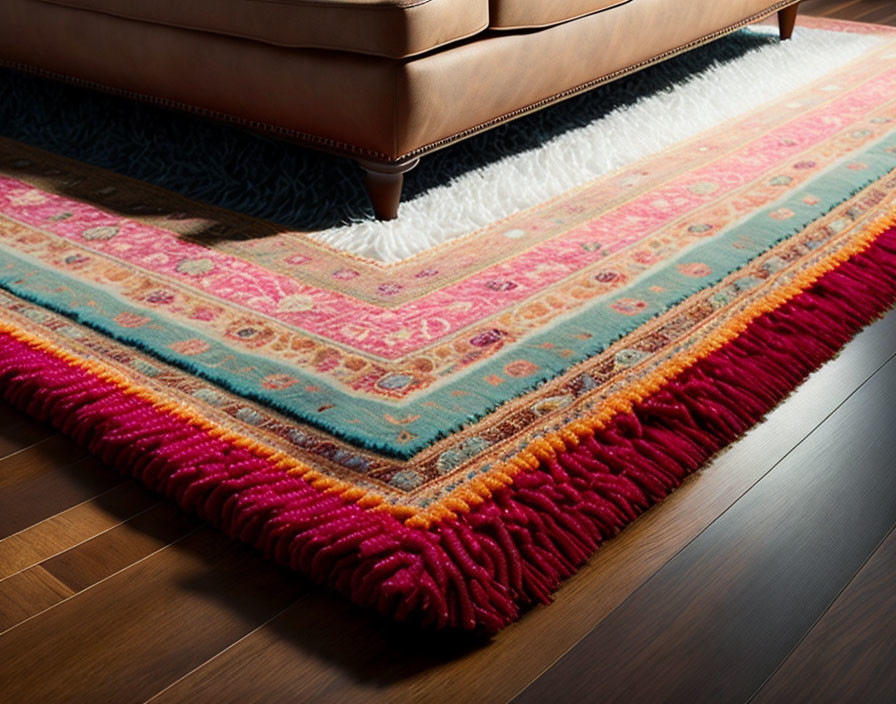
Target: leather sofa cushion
[[391, 28], [523, 14], [366, 106]]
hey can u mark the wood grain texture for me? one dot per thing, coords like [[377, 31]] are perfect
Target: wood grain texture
[[28, 593], [118, 548], [874, 11], [91, 561], [72, 526], [21, 434], [140, 629], [50, 485], [715, 622], [37, 459], [850, 655]]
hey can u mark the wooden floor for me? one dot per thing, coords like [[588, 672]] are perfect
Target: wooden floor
[[771, 576]]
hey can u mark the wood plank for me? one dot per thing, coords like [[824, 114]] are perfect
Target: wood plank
[[135, 632], [850, 655], [76, 525], [867, 10], [716, 621], [57, 489], [873, 11], [38, 459], [92, 561], [114, 550], [28, 593], [885, 13], [324, 650], [844, 9], [22, 434]]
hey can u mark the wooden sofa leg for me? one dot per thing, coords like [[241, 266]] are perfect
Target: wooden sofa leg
[[384, 182], [787, 20]]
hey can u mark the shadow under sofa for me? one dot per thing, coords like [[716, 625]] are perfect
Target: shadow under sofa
[[381, 81]]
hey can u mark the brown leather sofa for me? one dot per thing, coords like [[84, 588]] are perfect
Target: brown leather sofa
[[383, 81]]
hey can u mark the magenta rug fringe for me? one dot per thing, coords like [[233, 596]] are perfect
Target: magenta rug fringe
[[479, 570]]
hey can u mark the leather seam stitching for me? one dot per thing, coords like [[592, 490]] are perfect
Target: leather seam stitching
[[345, 149], [584, 87]]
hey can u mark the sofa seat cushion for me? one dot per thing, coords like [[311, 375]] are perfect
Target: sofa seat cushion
[[526, 14], [391, 28]]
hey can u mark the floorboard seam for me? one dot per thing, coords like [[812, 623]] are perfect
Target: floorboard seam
[[644, 583], [100, 581], [29, 447], [73, 506], [81, 542], [222, 651], [821, 615]]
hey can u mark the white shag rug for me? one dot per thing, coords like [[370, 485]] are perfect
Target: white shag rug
[[652, 123]]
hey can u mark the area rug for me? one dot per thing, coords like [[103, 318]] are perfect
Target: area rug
[[445, 434]]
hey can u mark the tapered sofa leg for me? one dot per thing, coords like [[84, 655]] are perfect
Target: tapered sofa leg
[[787, 20], [384, 182]]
